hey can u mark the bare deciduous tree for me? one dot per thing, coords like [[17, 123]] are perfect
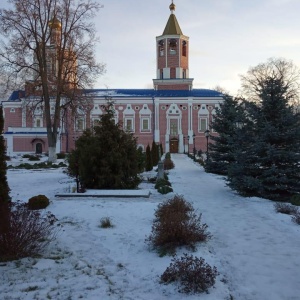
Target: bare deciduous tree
[[48, 49], [276, 68]]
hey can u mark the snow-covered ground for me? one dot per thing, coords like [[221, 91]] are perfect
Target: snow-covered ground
[[255, 249]]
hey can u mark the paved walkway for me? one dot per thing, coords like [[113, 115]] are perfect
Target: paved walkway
[[258, 249]]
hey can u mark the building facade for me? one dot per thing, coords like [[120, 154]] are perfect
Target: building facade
[[172, 113]]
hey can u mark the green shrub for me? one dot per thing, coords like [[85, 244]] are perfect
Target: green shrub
[[168, 155], [295, 200], [152, 179], [168, 164], [31, 157], [200, 161], [34, 158], [176, 224], [285, 208], [61, 155], [38, 202], [193, 274], [165, 189], [162, 182]]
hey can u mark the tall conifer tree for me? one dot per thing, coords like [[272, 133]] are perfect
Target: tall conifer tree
[[224, 123], [269, 166], [4, 189]]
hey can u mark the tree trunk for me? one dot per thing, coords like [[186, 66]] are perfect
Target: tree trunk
[[52, 154], [52, 137]]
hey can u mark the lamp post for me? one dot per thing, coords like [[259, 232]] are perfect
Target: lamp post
[[194, 149], [206, 133], [184, 144]]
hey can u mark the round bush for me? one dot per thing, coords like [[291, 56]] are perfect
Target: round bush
[[176, 224], [165, 189], [38, 202], [162, 182], [193, 274]]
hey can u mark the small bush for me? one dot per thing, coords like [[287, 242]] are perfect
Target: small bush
[[200, 161], [152, 179], [28, 233], [61, 155], [31, 157], [296, 218], [295, 200], [168, 155], [165, 189], [162, 182], [285, 208], [34, 158], [106, 223], [168, 164], [193, 274], [176, 224], [38, 202]]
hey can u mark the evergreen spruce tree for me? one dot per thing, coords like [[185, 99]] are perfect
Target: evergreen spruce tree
[[224, 123], [107, 157], [241, 172], [269, 164], [161, 150], [4, 188], [154, 153], [149, 164]]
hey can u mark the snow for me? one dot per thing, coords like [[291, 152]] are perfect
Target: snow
[[255, 250]]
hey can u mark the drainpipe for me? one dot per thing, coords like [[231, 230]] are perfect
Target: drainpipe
[[153, 119]]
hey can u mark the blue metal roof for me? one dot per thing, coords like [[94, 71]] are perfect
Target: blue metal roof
[[138, 93], [16, 95]]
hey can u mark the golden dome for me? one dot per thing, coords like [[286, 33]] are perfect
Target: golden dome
[[172, 6], [55, 23]]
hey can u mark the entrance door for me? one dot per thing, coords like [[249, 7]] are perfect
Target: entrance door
[[38, 148], [174, 145]]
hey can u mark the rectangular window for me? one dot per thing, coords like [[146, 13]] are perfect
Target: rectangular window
[[38, 123], [95, 122], [145, 124], [174, 127], [129, 124], [80, 124], [202, 124]]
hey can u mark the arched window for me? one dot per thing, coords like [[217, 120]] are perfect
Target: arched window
[[173, 46], [183, 48], [161, 48]]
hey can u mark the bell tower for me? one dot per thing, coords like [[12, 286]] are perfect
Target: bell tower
[[172, 62]]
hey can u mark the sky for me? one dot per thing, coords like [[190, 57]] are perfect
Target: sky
[[255, 249], [226, 38]]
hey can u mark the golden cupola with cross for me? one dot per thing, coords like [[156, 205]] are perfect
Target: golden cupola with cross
[[172, 48]]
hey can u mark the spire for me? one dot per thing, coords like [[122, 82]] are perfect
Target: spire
[[172, 26]]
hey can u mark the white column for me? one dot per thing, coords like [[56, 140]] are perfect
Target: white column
[[190, 120], [156, 120]]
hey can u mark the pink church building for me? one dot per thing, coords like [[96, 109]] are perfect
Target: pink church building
[[172, 113]]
